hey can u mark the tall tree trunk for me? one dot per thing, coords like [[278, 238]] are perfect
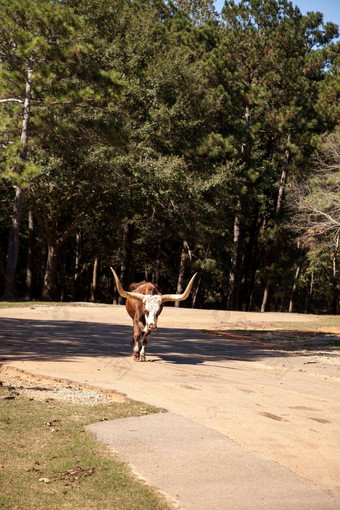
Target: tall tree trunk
[[29, 268], [250, 261], [265, 298], [278, 207], [77, 257], [284, 175], [234, 273], [125, 267], [158, 267], [309, 292], [195, 292], [13, 243], [54, 245], [296, 278], [62, 279], [181, 271], [234, 263], [94, 280], [198, 283], [50, 284], [335, 299], [77, 270], [282, 187]]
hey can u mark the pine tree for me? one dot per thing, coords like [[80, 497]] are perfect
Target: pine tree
[[46, 69]]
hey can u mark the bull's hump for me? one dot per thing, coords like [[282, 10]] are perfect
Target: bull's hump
[[145, 288]]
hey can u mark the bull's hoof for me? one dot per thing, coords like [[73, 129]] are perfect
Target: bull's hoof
[[136, 356], [142, 357]]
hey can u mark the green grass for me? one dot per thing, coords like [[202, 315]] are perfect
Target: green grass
[[28, 304], [22, 304], [49, 461], [320, 322]]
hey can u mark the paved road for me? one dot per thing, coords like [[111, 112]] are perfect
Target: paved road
[[205, 470], [284, 408]]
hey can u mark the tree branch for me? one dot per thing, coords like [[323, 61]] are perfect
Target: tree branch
[[71, 229], [11, 100], [331, 219]]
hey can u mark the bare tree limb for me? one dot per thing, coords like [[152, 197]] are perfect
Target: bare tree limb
[[11, 100], [315, 203]]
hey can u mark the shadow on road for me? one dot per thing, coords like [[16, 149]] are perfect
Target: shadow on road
[[58, 340]]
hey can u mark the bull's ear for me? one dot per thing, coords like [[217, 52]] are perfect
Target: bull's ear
[[179, 297], [123, 292]]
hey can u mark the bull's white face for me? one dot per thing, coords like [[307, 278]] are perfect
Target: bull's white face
[[153, 308]]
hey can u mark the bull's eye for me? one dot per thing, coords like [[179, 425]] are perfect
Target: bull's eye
[[146, 313]]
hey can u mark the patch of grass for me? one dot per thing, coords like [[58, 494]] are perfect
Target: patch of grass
[[23, 304], [28, 304], [319, 323], [48, 459]]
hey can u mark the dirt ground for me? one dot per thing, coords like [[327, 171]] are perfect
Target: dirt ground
[[273, 391]]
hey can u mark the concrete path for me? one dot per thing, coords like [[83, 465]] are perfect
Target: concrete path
[[281, 406], [202, 469]]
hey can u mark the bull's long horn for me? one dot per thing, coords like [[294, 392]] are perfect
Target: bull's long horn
[[179, 297], [123, 292]]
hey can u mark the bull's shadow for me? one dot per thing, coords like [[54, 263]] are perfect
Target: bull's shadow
[[44, 340]]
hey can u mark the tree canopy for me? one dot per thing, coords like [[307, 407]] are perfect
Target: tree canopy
[[162, 138]]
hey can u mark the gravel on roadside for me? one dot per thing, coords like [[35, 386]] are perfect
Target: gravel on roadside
[[18, 382]]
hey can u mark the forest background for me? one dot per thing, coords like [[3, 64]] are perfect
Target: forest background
[[162, 138]]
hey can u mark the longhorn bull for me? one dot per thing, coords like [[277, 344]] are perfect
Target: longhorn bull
[[144, 303]]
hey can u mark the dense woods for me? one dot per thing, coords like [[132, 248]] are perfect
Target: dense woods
[[162, 138]]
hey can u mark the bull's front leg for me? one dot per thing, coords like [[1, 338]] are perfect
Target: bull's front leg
[[144, 344], [138, 329]]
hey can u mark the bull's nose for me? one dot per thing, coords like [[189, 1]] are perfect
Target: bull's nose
[[152, 327]]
